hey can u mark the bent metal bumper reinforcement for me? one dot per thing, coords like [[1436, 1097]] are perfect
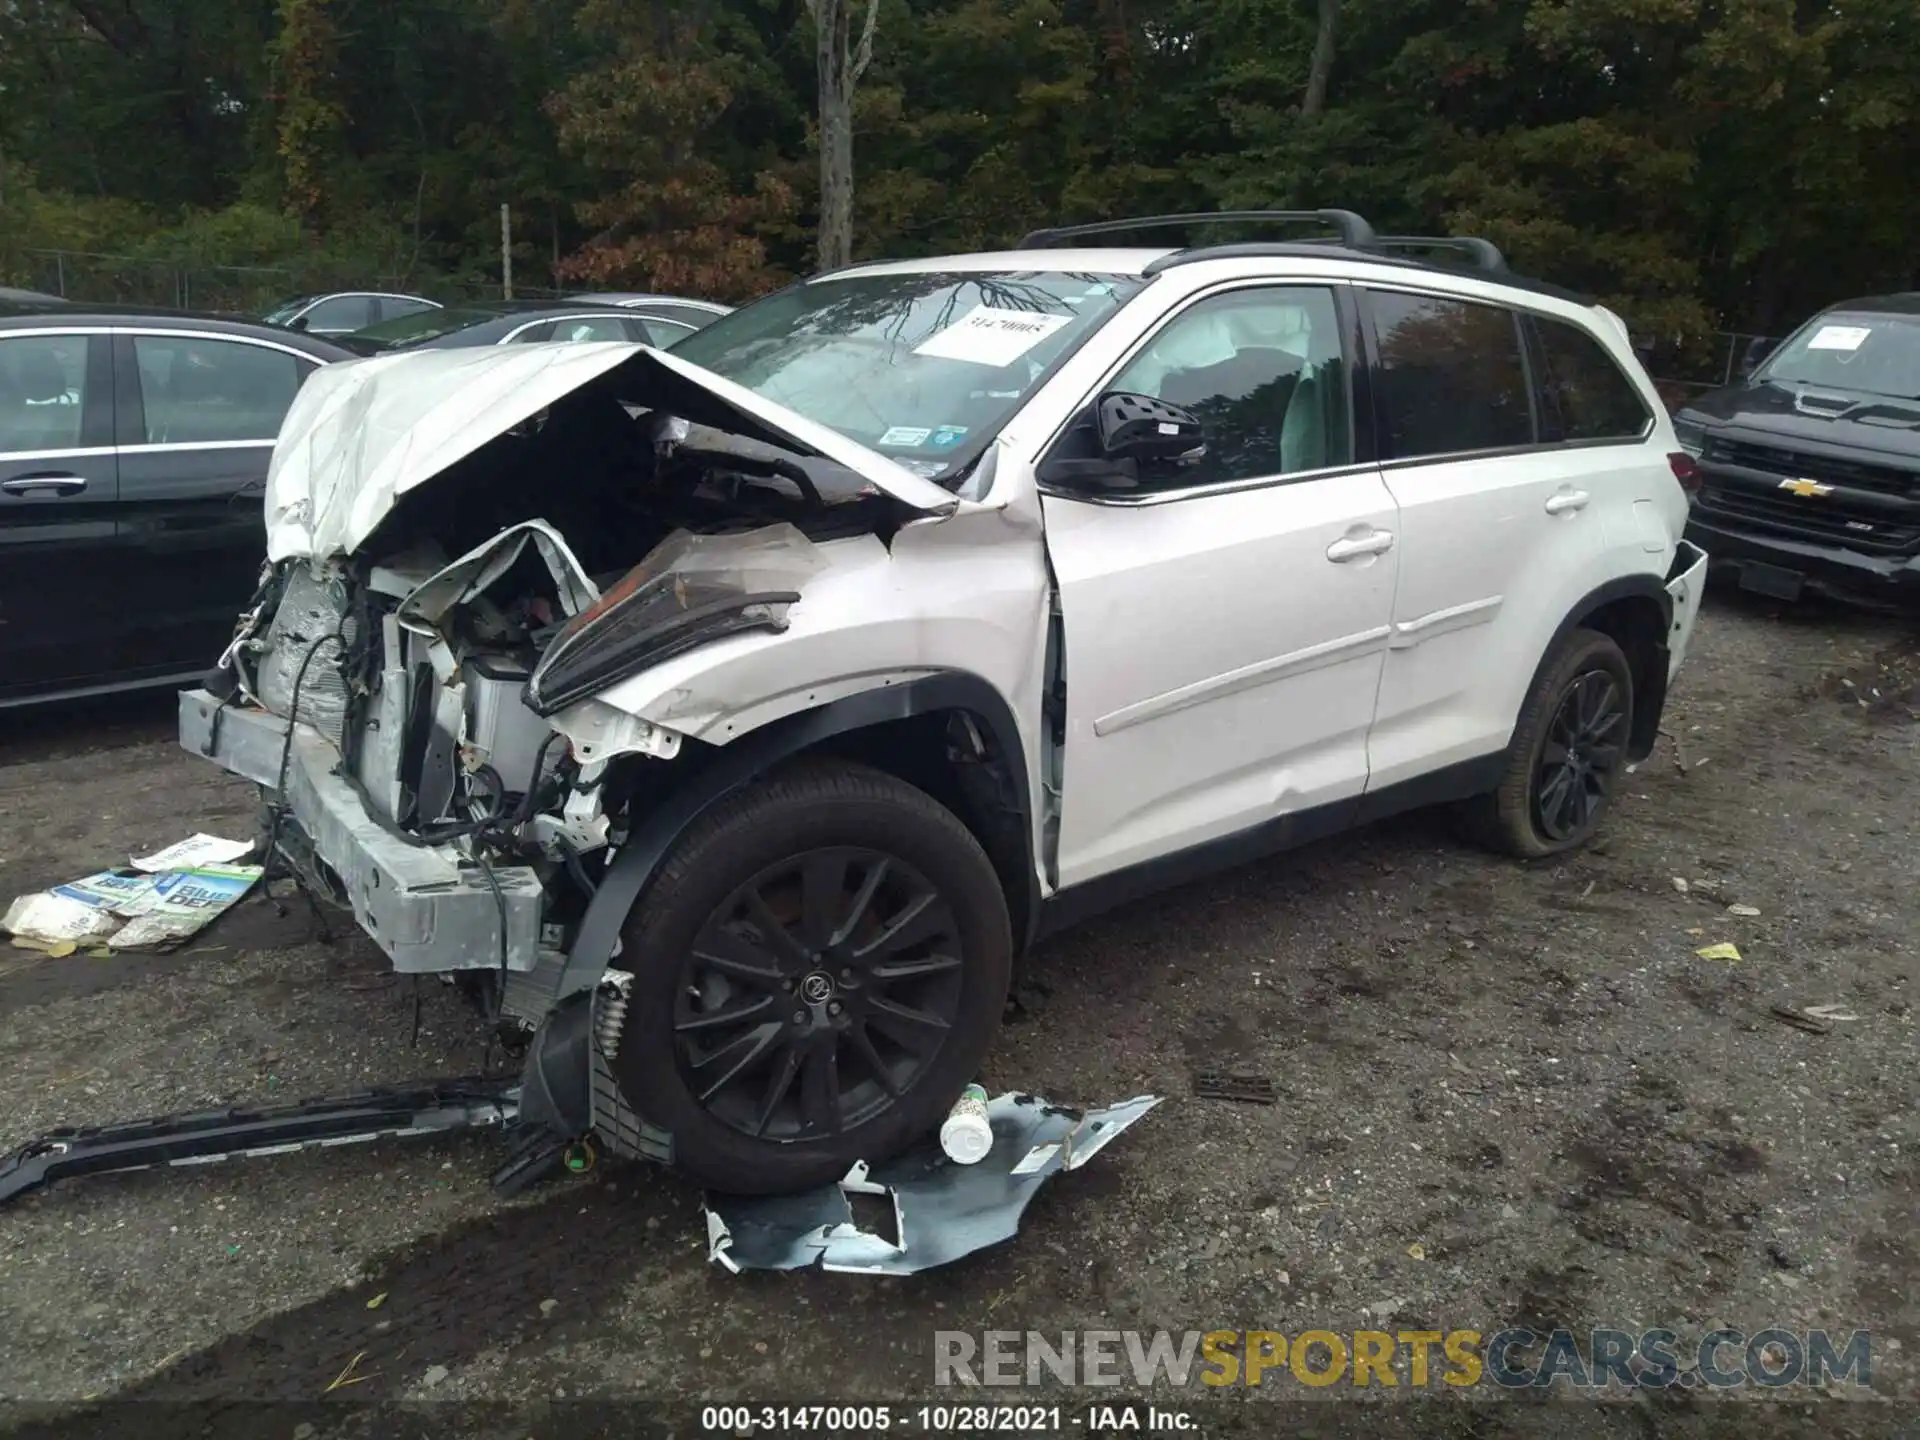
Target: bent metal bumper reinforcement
[[419, 903], [202, 1137]]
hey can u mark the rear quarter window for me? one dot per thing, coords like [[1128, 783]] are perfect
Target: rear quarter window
[[1587, 396]]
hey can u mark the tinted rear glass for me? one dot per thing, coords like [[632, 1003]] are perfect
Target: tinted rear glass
[[1451, 377], [1585, 390]]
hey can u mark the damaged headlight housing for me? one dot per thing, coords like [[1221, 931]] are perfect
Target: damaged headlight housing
[[690, 591]]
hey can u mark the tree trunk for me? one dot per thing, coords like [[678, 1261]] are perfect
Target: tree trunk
[[839, 64], [1315, 100], [836, 181]]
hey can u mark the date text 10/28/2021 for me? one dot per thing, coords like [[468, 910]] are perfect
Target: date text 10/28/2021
[[945, 1419]]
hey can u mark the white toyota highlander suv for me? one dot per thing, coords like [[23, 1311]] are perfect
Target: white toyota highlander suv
[[729, 720]]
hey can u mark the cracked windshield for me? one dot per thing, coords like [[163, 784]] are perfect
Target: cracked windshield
[[925, 368]]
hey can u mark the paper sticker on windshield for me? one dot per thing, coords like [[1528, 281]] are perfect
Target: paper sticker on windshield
[[925, 469], [1840, 337], [986, 335], [906, 437]]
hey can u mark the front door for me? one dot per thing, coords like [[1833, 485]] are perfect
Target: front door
[[1224, 622], [60, 593]]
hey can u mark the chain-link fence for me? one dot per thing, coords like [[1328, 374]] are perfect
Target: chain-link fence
[[1690, 366]]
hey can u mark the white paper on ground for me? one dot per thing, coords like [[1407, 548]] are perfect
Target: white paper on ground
[[1840, 337], [201, 849], [48, 919], [129, 909], [987, 335]]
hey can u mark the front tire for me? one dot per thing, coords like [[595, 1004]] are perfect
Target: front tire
[[1569, 750], [819, 968]]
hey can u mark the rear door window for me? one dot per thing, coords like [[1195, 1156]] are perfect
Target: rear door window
[[197, 390], [593, 327], [1451, 379], [1587, 397], [43, 391], [342, 313], [392, 307], [653, 330]]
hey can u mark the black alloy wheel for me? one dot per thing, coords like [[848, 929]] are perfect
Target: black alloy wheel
[[1586, 742], [1567, 754], [817, 993], [820, 962]]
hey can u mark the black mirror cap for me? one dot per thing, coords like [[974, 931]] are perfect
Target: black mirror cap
[[1141, 428], [1755, 355]]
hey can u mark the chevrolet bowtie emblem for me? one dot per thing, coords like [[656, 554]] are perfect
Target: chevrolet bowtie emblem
[[1806, 489]]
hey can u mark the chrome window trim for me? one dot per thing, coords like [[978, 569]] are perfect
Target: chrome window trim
[[168, 447], [76, 452], [621, 315]]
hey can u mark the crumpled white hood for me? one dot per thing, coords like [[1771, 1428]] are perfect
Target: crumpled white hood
[[362, 433]]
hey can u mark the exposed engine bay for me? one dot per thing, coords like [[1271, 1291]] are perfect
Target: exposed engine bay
[[586, 543]]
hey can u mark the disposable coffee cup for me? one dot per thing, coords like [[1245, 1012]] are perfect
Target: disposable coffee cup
[[966, 1136]]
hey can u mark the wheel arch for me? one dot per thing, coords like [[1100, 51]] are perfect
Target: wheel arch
[[895, 728], [1636, 613]]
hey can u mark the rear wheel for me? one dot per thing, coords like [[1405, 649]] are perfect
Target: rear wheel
[[820, 966], [1569, 750]]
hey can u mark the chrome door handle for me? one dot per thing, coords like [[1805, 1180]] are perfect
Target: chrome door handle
[[58, 484], [1567, 500], [1353, 548]]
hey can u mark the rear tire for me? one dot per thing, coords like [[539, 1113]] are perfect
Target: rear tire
[[829, 932], [1569, 750]]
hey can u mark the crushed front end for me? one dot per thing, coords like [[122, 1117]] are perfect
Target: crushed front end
[[412, 686]]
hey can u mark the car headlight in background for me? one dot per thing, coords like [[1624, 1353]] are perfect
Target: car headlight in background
[[1692, 436]]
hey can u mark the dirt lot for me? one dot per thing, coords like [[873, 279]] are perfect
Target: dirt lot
[[1508, 1095]]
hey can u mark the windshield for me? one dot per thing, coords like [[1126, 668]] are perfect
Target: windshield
[[1871, 354], [287, 309], [420, 326], [924, 367]]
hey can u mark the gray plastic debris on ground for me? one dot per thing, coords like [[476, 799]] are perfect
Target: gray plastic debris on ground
[[942, 1210]]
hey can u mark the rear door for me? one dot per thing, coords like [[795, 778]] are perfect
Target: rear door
[[60, 592], [197, 419], [1506, 522]]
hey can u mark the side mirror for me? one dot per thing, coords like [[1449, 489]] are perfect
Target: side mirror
[[1758, 349], [299, 322], [1144, 430]]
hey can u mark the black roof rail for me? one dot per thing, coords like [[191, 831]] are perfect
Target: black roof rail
[[1484, 254], [1353, 230]]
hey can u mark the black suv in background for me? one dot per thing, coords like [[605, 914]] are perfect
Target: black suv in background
[[1810, 467]]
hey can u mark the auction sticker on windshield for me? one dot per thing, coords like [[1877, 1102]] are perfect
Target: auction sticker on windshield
[[987, 335], [1840, 337]]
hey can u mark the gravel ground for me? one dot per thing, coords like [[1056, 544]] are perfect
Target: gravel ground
[[1507, 1095]]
